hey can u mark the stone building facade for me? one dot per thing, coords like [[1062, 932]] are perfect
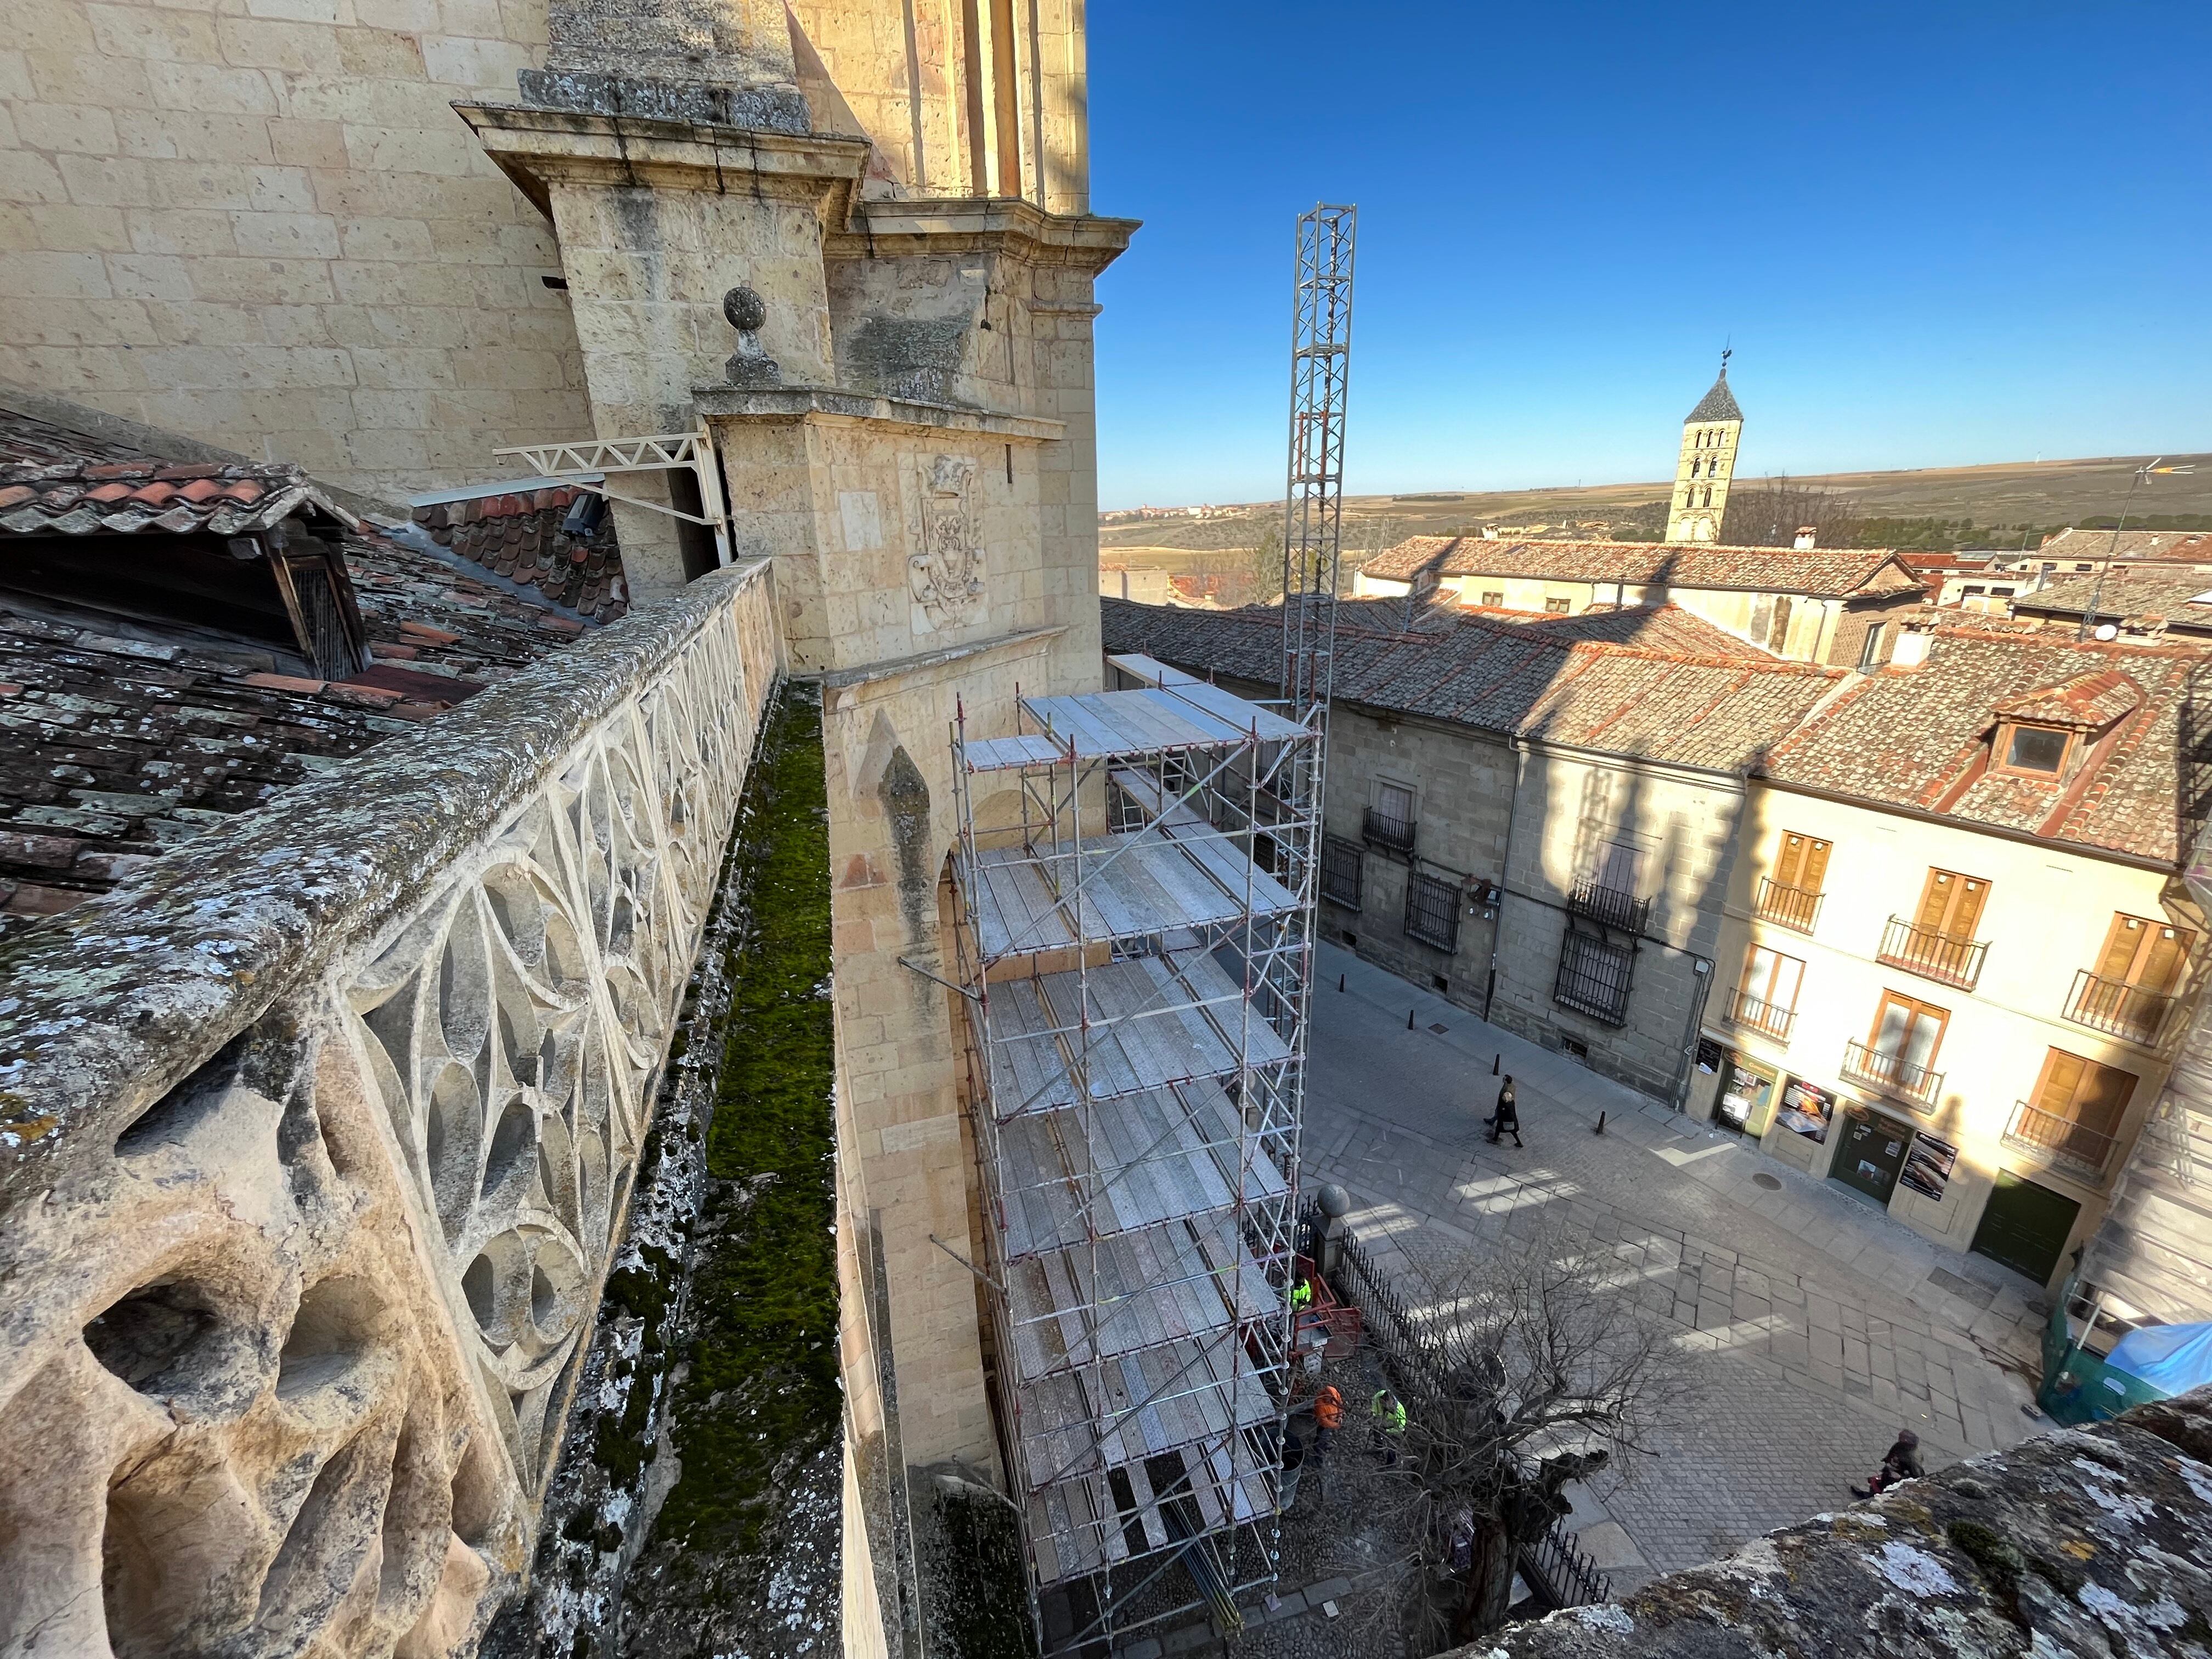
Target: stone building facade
[[1534, 816], [1858, 917], [842, 252], [264, 227]]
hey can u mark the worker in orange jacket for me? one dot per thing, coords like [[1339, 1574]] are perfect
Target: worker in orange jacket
[[1328, 1418]]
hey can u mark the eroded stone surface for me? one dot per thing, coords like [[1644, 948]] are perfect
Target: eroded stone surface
[[319, 1134], [2084, 1542]]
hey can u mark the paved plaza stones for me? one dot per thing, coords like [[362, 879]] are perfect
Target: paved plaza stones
[[1818, 1326]]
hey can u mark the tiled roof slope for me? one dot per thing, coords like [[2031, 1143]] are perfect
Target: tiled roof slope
[[1920, 737], [2134, 544], [1654, 627], [1716, 710], [516, 533], [2125, 593], [77, 496], [1833, 574], [118, 740]]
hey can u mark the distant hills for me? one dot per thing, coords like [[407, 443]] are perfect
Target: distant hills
[[2020, 495]]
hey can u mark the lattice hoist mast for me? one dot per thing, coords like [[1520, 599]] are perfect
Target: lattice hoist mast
[[1313, 503]]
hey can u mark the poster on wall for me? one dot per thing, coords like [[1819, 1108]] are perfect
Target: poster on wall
[[1744, 1101], [1806, 1109], [1928, 1167]]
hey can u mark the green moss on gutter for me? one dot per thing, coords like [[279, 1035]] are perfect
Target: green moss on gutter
[[761, 1395]]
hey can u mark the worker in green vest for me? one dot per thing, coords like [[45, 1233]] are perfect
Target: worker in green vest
[[1301, 1296], [1386, 1429]]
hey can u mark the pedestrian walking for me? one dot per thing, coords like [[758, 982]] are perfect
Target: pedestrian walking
[[1505, 1119], [1900, 1462], [1386, 1426]]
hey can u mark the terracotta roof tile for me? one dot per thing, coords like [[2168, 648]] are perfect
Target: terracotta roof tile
[[1718, 707], [1829, 574]]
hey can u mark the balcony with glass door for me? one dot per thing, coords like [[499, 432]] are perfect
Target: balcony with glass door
[[1892, 1074], [1933, 954]]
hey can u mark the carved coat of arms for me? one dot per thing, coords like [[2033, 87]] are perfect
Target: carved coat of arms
[[945, 572]]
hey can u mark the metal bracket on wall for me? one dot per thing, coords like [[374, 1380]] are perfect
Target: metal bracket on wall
[[585, 464]]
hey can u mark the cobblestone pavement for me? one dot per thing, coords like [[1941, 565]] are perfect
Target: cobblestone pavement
[[1815, 1324]]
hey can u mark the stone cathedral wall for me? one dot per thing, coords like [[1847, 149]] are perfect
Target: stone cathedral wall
[[315, 1143], [259, 224]]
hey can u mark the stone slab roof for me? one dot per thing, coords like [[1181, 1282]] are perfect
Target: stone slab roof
[[1717, 709], [2134, 544], [1717, 404], [1921, 737], [120, 738], [1846, 572], [2126, 594]]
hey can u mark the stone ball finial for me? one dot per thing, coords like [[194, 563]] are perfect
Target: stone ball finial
[[1335, 1202], [744, 308]]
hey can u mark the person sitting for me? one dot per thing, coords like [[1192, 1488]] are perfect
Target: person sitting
[[1901, 1462]]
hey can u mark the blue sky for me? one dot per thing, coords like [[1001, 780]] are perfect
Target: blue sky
[[1937, 234]]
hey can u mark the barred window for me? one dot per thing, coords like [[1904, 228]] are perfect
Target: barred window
[[1432, 911], [1340, 871], [1594, 975]]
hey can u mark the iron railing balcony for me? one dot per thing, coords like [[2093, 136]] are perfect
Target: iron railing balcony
[[1892, 1074], [2062, 1140], [2114, 1005], [1396, 834], [1932, 955], [1771, 1017], [1797, 908], [1609, 906]]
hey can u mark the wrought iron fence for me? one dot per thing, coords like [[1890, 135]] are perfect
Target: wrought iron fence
[[1894, 1072], [2114, 1005], [1593, 976], [1760, 1015], [1609, 906], [1555, 1563], [1342, 867], [1388, 831], [1793, 907], [2060, 1138], [1432, 911], [1933, 955]]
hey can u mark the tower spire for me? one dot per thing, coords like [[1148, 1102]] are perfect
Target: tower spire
[[1707, 464]]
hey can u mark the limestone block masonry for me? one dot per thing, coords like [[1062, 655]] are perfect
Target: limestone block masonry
[[314, 1144], [260, 224]]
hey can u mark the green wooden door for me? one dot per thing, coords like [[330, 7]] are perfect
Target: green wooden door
[[1870, 1153], [2026, 1226]]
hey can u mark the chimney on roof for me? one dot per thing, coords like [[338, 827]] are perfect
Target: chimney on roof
[[1490, 532], [1911, 648], [1805, 534]]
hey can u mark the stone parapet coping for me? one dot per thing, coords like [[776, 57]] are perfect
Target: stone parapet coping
[[534, 146], [2081, 1541], [104, 1009], [910, 226], [731, 402]]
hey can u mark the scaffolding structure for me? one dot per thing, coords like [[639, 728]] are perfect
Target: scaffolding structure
[[1313, 497], [1134, 883]]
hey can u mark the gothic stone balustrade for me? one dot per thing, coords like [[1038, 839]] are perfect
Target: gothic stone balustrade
[[315, 1142]]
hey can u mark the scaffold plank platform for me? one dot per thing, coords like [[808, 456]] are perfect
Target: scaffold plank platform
[[1141, 1024], [1125, 886]]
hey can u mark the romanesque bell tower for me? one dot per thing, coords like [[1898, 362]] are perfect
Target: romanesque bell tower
[[1708, 463]]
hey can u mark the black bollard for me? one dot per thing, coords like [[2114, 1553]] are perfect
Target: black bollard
[[1339, 981], [1600, 1123], [1495, 1062], [1409, 1019]]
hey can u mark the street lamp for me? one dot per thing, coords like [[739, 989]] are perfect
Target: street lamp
[[2097, 594]]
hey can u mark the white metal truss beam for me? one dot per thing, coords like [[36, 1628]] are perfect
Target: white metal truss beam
[[585, 462]]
